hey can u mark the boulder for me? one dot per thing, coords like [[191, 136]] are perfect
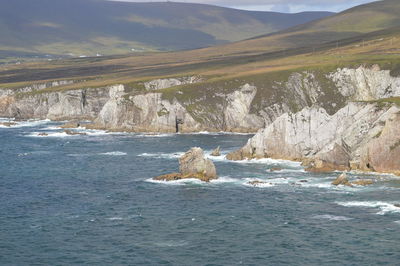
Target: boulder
[[363, 182], [216, 152], [43, 134], [193, 164], [73, 133], [397, 205], [342, 180]]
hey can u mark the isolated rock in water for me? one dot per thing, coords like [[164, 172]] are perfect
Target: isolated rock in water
[[193, 162], [397, 205], [341, 180], [73, 133], [43, 134], [275, 169], [363, 182], [216, 152]]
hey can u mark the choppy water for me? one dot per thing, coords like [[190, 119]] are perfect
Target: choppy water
[[90, 200]]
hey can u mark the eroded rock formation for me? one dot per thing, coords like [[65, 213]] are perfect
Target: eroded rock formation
[[193, 164]]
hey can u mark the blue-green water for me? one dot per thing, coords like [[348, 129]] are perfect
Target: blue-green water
[[89, 200]]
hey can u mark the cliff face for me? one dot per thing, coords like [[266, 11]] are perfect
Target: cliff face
[[359, 136], [240, 106]]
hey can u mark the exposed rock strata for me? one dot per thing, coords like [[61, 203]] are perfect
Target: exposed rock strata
[[239, 106], [360, 136]]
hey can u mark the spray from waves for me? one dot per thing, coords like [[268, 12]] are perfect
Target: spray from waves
[[331, 217], [384, 207], [114, 153]]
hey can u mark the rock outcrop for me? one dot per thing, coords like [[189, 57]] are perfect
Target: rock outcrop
[[216, 152], [341, 180], [193, 104], [193, 164], [360, 136]]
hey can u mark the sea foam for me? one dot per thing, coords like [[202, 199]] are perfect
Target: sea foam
[[384, 207]]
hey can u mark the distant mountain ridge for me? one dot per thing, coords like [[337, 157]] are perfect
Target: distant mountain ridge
[[88, 27]]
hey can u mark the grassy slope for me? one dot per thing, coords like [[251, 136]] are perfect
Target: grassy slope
[[350, 23], [106, 27], [220, 68]]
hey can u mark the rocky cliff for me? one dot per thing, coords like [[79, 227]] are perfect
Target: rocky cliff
[[360, 136], [193, 104]]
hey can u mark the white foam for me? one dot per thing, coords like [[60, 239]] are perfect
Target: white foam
[[270, 161], [225, 179], [174, 155], [188, 181], [114, 153], [171, 243], [115, 218], [260, 183], [385, 207], [51, 134], [331, 217], [27, 123]]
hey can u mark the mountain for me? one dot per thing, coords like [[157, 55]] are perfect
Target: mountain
[[353, 22], [90, 27]]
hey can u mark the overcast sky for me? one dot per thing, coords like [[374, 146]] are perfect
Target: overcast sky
[[278, 5]]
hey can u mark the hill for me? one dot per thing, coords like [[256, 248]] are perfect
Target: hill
[[353, 22], [90, 27]]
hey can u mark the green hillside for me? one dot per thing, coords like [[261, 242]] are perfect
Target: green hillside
[[350, 23], [90, 27]]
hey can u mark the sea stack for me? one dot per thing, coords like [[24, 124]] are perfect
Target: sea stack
[[193, 164]]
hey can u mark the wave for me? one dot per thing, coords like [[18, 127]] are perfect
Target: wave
[[114, 153], [27, 123], [331, 217], [174, 155], [115, 218], [385, 207], [270, 161], [80, 132]]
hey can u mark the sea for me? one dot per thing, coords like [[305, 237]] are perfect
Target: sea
[[90, 200]]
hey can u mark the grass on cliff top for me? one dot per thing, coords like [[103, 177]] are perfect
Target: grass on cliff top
[[395, 100], [383, 49]]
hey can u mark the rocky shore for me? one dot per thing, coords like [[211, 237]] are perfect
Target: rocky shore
[[338, 120]]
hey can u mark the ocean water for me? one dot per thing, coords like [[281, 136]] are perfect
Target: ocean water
[[90, 200]]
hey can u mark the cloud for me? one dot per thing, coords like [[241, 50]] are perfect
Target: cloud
[[278, 5]]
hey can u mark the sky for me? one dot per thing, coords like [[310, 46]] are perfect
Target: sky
[[287, 6]]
